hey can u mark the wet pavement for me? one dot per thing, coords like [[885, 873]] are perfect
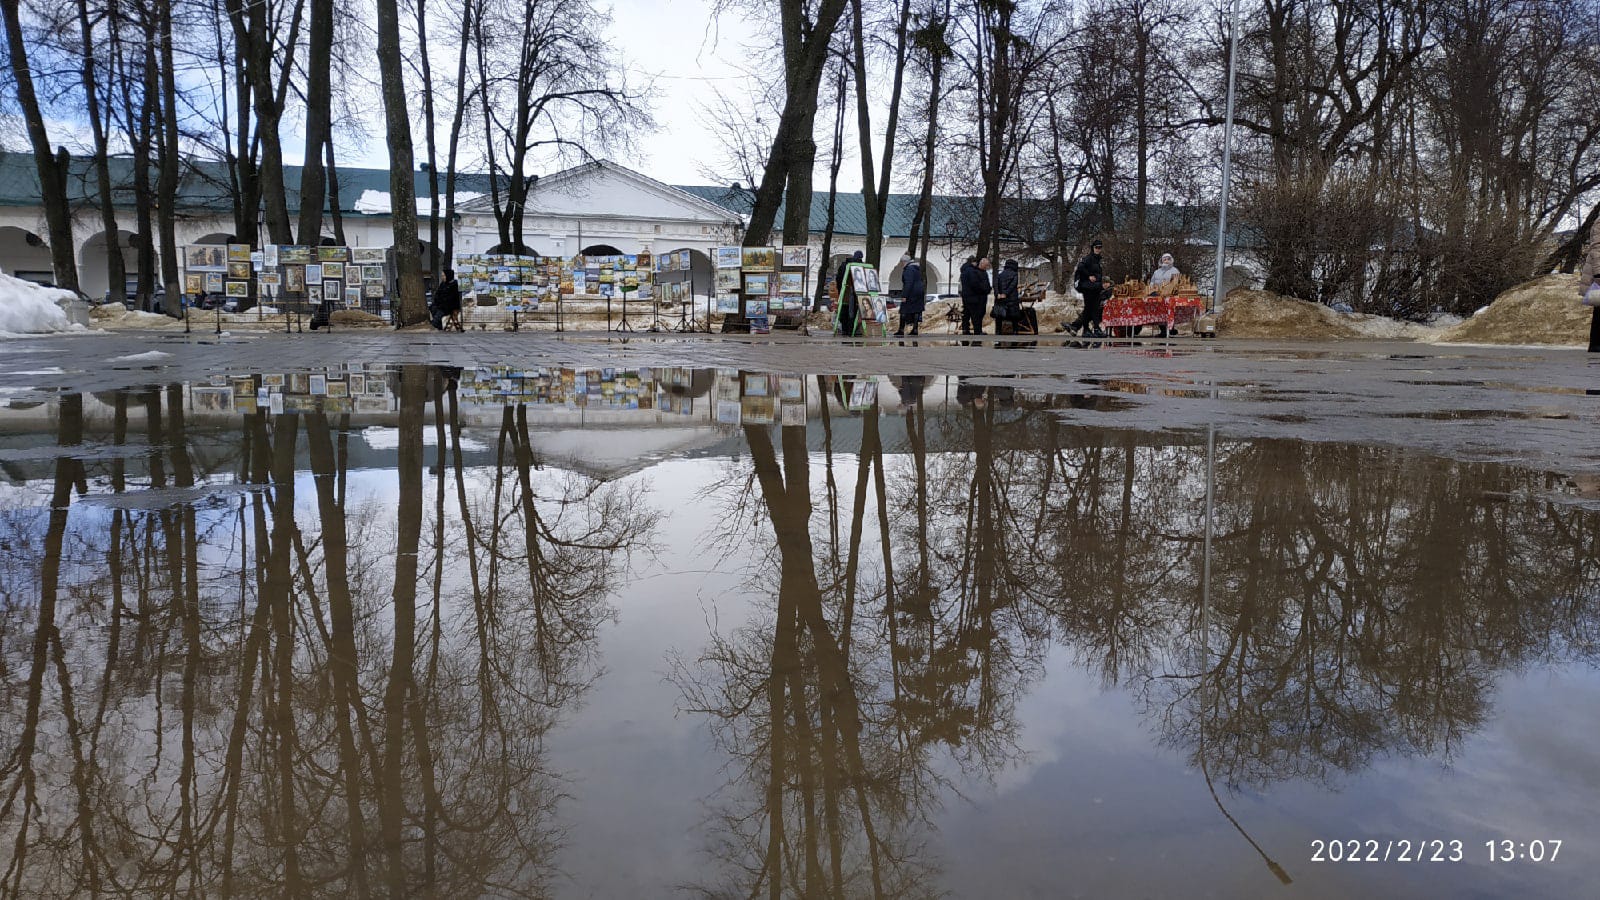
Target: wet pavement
[[1034, 621]]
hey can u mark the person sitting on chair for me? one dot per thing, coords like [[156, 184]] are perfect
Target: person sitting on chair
[[447, 303]]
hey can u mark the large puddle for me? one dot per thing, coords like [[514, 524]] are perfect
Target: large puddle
[[642, 633]]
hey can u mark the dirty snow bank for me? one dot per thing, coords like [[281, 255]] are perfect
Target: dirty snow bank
[[1262, 314], [1542, 311], [27, 308]]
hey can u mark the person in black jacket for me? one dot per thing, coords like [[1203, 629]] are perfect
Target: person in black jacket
[[1008, 302], [1089, 278], [446, 299], [913, 295], [974, 294]]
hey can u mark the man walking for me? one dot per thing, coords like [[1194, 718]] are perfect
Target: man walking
[[913, 295], [974, 294], [1089, 278]]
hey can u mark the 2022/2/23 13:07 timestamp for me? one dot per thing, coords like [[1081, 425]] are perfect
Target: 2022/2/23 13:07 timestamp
[[1434, 850]]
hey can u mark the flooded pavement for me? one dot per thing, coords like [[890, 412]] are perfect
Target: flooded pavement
[[641, 632]]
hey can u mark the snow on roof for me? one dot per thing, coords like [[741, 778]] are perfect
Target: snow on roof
[[379, 203]]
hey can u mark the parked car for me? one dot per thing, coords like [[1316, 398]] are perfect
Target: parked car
[[130, 297]]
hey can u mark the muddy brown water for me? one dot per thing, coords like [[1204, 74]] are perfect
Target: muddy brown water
[[414, 631]]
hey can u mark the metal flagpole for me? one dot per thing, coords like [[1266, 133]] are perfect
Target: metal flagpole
[[1227, 157]]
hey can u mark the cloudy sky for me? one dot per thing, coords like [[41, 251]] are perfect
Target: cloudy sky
[[674, 42]]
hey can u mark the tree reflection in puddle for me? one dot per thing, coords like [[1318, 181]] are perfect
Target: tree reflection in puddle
[[340, 679]]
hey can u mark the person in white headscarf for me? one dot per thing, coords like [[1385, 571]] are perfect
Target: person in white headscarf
[[1165, 273]]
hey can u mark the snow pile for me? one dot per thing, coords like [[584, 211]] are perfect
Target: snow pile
[[27, 308], [151, 356], [357, 318], [1262, 314], [116, 315], [1542, 311]]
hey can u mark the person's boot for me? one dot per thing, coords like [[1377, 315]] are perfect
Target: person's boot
[[913, 331]]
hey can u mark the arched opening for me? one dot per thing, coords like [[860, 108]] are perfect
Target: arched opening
[[216, 237], [1236, 277], [930, 277], [25, 255], [601, 250], [92, 277], [512, 247], [702, 275], [328, 240]]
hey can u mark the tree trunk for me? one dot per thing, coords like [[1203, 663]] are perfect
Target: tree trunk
[[52, 170], [116, 268], [794, 150], [427, 126], [412, 306], [467, 10], [255, 42], [334, 211], [319, 119], [167, 219]]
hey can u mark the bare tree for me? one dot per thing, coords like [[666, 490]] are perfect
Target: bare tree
[[50, 165]]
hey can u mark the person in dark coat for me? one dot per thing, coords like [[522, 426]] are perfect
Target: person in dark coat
[[1089, 278], [974, 294], [1008, 302], [848, 308], [913, 295], [446, 299]]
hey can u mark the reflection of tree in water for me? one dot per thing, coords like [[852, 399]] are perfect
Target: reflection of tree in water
[[1363, 602], [250, 697], [829, 704]]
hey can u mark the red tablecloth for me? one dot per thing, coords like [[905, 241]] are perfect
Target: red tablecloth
[[1124, 311]]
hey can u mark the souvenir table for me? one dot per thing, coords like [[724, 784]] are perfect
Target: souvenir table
[[1126, 312]]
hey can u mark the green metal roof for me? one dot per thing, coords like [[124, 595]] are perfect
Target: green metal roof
[[203, 185], [1020, 219]]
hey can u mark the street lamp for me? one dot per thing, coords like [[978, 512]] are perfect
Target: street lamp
[[950, 258], [1227, 156]]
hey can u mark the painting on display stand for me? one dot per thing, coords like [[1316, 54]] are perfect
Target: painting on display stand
[[294, 279], [205, 258], [759, 259], [238, 270], [194, 282], [214, 282], [728, 257], [757, 286], [333, 254], [238, 253], [238, 289], [367, 255], [796, 257], [792, 283], [293, 255], [352, 296], [333, 271], [727, 279], [727, 303], [333, 290]]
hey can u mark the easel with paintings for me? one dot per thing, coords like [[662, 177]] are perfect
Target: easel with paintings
[[872, 315]]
